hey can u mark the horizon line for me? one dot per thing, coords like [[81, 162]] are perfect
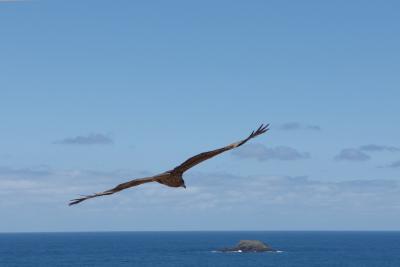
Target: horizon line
[[183, 231]]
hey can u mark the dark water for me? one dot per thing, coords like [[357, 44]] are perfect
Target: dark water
[[378, 249]]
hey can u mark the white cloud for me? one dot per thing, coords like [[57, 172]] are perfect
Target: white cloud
[[352, 154], [378, 148], [263, 153], [91, 139], [205, 191], [294, 126], [395, 164]]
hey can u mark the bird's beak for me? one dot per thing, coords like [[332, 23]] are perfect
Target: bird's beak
[[184, 186]]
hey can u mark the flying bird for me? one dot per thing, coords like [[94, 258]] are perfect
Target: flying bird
[[173, 178]]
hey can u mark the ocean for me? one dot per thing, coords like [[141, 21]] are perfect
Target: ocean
[[300, 249]]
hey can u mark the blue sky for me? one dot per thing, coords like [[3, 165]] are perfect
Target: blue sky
[[94, 93]]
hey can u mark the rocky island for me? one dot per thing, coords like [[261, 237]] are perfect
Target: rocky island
[[249, 246]]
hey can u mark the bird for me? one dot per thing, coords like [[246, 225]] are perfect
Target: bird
[[174, 177]]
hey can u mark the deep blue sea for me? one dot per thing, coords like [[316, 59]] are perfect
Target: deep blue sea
[[300, 249]]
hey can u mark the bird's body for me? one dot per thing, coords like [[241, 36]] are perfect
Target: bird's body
[[173, 178]]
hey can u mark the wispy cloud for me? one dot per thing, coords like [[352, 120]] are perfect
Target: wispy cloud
[[395, 164], [24, 172], [360, 153], [205, 191], [352, 154], [91, 139], [221, 190], [13, 1], [293, 126], [378, 148], [43, 184], [263, 153]]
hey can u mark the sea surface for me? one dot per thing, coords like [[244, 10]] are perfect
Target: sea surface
[[300, 249]]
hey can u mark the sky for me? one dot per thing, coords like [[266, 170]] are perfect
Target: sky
[[95, 93]]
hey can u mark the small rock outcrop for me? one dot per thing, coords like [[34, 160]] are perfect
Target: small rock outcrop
[[249, 246]]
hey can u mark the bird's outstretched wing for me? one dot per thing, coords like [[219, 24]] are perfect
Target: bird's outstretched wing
[[116, 189], [209, 154]]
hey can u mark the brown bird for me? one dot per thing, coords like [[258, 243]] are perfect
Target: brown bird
[[173, 178]]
